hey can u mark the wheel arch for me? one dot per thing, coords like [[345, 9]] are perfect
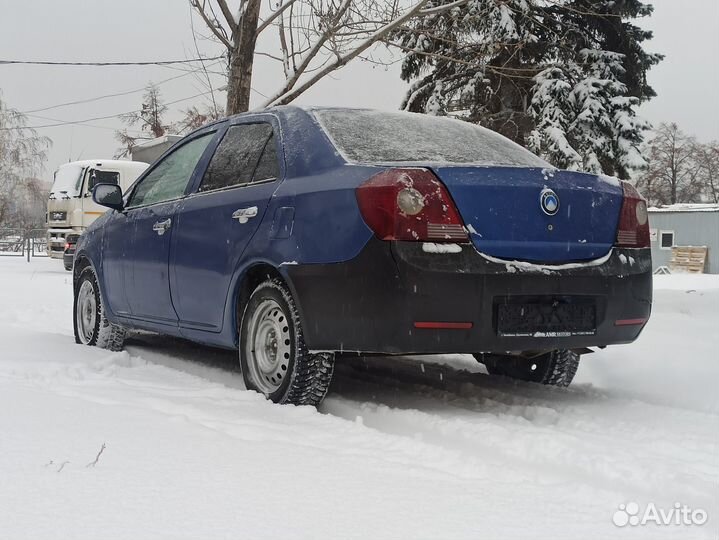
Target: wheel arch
[[82, 261], [247, 281]]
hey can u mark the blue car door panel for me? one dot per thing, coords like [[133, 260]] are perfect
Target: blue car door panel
[[152, 210], [217, 222], [117, 265]]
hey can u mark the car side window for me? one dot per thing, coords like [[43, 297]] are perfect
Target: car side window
[[102, 177], [267, 167], [170, 177], [240, 156]]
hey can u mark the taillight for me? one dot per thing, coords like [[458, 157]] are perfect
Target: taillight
[[409, 204], [633, 229]]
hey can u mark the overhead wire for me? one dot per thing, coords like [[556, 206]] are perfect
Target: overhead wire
[[108, 64], [86, 120]]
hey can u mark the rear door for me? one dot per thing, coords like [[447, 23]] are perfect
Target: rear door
[[152, 209], [217, 221]]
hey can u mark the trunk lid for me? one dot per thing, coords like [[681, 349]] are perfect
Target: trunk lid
[[502, 209]]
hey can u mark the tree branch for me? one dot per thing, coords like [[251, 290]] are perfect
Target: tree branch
[[231, 22], [264, 24], [289, 92], [212, 25]]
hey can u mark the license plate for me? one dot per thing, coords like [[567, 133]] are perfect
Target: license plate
[[547, 319]]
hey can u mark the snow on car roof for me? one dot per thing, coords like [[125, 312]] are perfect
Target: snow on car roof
[[371, 136]]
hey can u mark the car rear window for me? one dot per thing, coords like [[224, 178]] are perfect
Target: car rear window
[[368, 136]]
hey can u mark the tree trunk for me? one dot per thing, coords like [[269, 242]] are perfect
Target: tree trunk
[[241, 60]]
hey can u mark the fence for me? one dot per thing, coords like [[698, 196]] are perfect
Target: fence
[[23, 243]]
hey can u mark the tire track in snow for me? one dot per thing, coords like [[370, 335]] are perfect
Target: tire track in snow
[[538, 429]]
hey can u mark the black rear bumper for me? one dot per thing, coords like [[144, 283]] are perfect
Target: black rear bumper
[[372, 304]]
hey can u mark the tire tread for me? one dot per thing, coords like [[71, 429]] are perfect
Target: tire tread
[[312, 374]]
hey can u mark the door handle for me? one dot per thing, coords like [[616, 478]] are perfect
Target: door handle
[[161, 226], [244, 214]]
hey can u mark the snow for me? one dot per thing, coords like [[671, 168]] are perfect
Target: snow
[[408, 447], [67, 180], [367, 136], [686, 207], [524, 266], [431, 247], [583, 117]]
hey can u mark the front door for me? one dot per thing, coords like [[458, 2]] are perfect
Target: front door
[[217, 222], [117, 231], [152, 209]]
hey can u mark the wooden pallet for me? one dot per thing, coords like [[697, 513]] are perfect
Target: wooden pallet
[[688, 259]]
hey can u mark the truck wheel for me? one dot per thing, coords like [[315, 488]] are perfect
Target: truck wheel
[[273, 354], [91, 326], [556, 368]]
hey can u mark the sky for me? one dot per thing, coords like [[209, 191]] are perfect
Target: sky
[[686, 82]]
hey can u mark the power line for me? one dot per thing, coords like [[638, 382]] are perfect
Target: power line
[[62, 122], [103, 64], [86, 120], [98, 98]]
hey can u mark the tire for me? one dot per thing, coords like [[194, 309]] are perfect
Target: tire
[[273, 354], [90, 324], [555, 368], [68, 267]]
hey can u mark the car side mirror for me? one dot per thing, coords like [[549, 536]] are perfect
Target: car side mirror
[[109, 195]]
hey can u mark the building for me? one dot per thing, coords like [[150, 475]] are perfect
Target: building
[[685, 225], [151, 150]]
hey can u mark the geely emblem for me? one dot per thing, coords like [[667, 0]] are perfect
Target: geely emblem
[[549, 202]]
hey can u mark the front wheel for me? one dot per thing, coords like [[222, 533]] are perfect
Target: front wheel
[[273, 354], [556, 368], [90, 323]]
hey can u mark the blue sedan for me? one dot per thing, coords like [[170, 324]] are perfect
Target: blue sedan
[[296, 236]]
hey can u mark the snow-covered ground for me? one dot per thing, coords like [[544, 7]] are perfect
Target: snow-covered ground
[[400, 449]]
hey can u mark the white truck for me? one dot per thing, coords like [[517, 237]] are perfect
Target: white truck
[[70, 208]]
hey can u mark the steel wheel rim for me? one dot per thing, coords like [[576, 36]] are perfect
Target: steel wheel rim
[[86, 312], [268, 346]]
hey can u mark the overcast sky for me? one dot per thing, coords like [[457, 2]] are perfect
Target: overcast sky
[[687, 82]]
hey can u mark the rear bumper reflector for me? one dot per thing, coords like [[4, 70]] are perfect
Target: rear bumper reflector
[[443, 325], [627, 238], [629, 322]]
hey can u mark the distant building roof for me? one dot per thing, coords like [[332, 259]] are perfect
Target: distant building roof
[[685, 207], [159, 140]]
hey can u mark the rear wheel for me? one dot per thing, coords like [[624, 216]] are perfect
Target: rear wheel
[[273, 354], [90, 324], [556, 368]]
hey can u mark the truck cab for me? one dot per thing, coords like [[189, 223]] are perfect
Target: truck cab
[[70, 208]]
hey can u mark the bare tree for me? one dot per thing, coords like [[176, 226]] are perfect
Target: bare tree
[[672, 175], [22, 155], [707, 157], [195, 117], [314, 38], [150, 119], [30, 203]]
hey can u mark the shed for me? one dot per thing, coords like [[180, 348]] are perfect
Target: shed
[[685, 225], [151, 150]]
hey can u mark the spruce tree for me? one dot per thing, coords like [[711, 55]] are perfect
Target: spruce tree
[[563, 77]]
